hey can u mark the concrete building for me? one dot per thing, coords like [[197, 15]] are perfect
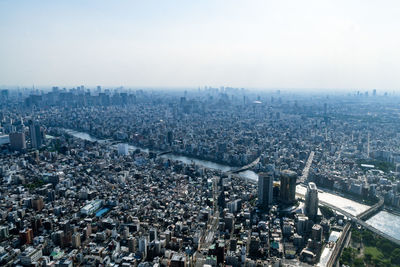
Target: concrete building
[[123, 149], [288, 186], [265, 186], [17, 141], [76, 240], [311, 202], [35, 134], [30, 255]]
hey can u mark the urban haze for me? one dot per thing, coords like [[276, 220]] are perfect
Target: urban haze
[[199, 134]]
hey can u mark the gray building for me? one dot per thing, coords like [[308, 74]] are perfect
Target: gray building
[[36, 135], [265, 186], [311, 203], [17, 141], [288, 186]]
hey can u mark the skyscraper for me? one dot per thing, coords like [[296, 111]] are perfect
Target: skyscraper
[[311, 202], [143, 246], [36, 136], [265, 185], [17, 141], [288, 186]]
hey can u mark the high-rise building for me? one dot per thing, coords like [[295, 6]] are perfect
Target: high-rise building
[[76, 240], [317, 232], [288, 186], [36, 135], [132, 244], [153, 234], [143, 246], [123, 149], [17, 141], [311, 203], [37, 203], [4, 232], [265, 186]]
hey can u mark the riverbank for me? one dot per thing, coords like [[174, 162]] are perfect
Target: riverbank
[[252, 176], [93, 138]]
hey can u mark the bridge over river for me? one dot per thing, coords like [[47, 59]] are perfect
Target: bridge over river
[[248, 166]]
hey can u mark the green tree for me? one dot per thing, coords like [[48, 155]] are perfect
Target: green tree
[[358, 262], [368, 258], [395, 256], [355, 234], [385, 246], [347, 256], [368, 238]]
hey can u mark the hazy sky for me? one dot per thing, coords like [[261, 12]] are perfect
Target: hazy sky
[[253, 44]]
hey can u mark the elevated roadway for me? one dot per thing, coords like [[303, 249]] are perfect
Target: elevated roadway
[[359, 221]]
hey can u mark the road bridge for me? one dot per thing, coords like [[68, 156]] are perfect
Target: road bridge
[[366, 214], [248, 166]]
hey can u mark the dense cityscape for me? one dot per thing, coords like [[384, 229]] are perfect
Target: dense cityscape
[[199, 177]]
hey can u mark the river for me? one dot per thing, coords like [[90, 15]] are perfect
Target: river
[[188, 160], [383, 221]]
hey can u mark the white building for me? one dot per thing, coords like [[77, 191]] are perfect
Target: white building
[[92, 207], [30, 255], [123, 149]]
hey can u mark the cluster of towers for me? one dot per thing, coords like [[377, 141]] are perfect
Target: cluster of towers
[[287, 192], [18, 141]]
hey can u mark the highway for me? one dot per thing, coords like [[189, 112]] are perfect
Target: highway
[[359, 221], [306, 170]]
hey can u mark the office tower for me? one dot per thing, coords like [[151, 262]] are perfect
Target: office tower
[[76, 240], [311, 201], [17, 141], [36, 136], [316, 233], [169, 137], [26, 236], [143, 246], [132, 244], [123, 150], [153, 234], [265, 193], [288, 186]]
